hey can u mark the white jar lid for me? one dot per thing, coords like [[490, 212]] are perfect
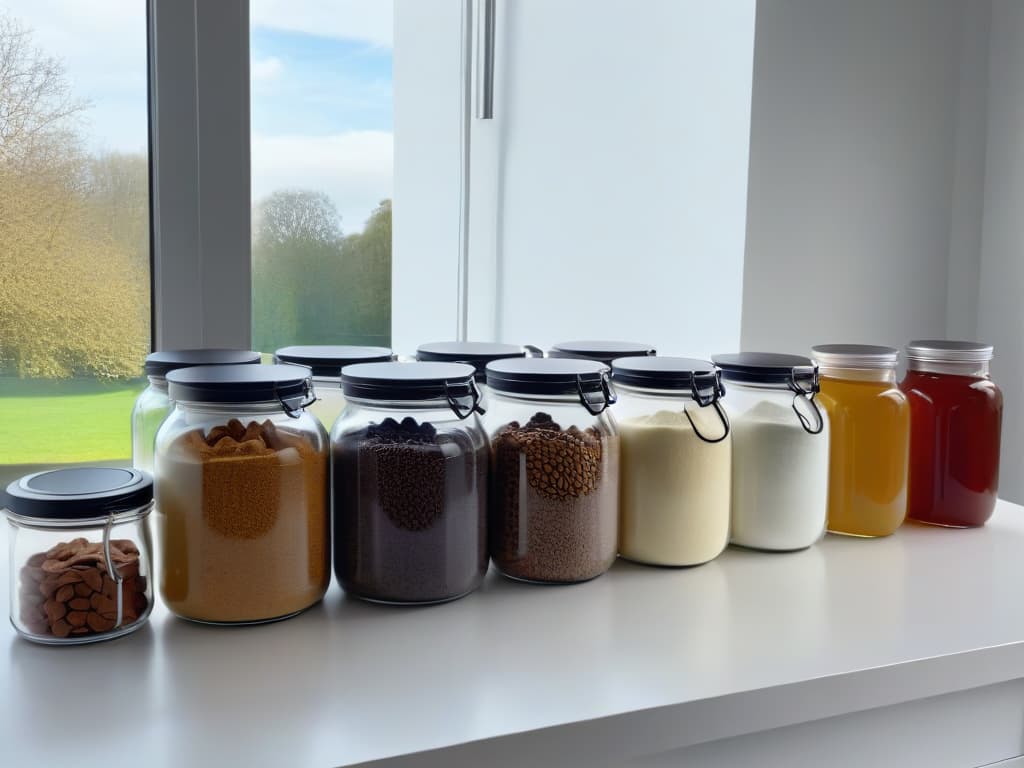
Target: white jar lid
[[944, 351], [861, 356]]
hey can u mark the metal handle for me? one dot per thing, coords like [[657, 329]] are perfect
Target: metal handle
[[485, 61]]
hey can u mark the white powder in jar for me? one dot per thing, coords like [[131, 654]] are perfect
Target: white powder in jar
[[674, 488], [779, 479]]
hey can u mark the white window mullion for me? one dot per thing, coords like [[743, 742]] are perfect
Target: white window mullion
[[199, 118]]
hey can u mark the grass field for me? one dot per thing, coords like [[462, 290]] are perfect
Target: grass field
[[47, 422]]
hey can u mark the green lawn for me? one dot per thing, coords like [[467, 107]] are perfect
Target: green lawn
[[46, 422]]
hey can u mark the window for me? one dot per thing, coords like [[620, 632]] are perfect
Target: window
[[321, 148], [74, 229]]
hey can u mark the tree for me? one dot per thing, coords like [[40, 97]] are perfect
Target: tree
[[74, 296]]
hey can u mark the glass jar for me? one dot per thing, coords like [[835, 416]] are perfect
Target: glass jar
[[80, 553], [152, 406], [779, 450], [676, 460], [410, 483], [475, 353], [601, 351], [869, 422], [242, 494], [326, 363], [956, 414], [554, 469]]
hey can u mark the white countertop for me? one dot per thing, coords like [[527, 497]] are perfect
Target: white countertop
[[670, 657]]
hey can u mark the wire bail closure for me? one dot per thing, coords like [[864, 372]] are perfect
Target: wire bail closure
[[806, 373], [295, 411], [607, 394], [532, 351], [112, 570], [713, 390], [457, 407]]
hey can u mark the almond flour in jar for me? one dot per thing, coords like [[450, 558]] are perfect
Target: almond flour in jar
[[242, 507]]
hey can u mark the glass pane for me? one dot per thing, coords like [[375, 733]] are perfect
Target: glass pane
[[321, 172], [74, 229]]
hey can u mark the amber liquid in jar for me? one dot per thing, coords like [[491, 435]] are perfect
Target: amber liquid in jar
[[868, 456]]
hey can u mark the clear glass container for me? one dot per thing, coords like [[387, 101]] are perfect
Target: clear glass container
[[326, 362], [676, 460], [242, 495], [409, 459], [80, 554], [955, 431], [554, 508], [601, 351], [780, 450], [869, 424], [153, 405]]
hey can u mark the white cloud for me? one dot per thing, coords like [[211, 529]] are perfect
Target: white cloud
[[355, 169], [368, 20], [262, 70]]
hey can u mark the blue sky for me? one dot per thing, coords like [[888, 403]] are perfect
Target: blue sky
[[321, 88]]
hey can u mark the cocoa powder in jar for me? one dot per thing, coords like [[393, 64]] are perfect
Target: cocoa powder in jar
[[242, 510], [554, 514]]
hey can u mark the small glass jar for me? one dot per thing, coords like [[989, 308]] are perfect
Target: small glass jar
[[326, 363], [869, 422], [554, 509], [80, 554], [676, 460], [242, 494], [601, 351], [410, 483], [956, 414], [779, 450], [153, 406], [475, 353]]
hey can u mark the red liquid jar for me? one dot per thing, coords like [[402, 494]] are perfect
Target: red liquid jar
[[956, 413]]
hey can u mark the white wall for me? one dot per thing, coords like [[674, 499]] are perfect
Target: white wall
[[1000, 307], [622, 133], [852, 135], [887, 182]]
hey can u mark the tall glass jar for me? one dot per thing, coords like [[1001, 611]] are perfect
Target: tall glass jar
[[80, 553], [869, 421], [326, 362], [955, 428], [554, 469], [242, 494], [152, 406], [410, 483], [779, 450], [601, 351], [676, 460]]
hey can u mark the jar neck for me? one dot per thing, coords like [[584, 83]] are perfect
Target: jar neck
[[876, 375], [159, 383], [975, 369], [268, 408], [654, 394]]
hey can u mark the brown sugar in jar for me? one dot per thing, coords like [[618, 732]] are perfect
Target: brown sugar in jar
[[242, 512]]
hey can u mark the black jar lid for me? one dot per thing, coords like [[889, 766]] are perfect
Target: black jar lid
[[290, 384], [946, 351], [328, 360], [475, 353], [761, 367], [408, 381], [544, 375], [602, 351], [662, 372], [161, 363], [78, 493]]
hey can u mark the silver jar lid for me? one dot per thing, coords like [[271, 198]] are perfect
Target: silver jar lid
[[864, 356], [941, 351]]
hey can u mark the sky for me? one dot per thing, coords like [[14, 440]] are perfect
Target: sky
[[320, 78]]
